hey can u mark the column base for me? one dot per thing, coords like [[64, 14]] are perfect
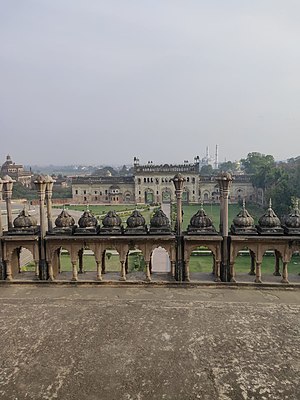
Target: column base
[[276, 273], [232, 280], [284, 280], [257, 280]]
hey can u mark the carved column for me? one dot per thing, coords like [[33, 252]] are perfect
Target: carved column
[[8, 270], [2, 266], [8, 186], [148, 274], [277, 265], [285, 275], [217, 271], [123, 271], [50, 270], [224, 180], [40, 184], [258, 272], [187, 270], [232, 272], [49, 187], [178, 181], [80, 256], [99, 276], [173, 268], [103, 262], [1, 226], [252, 267], [74, 271]]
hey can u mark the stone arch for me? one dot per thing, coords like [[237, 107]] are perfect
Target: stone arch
[[149, 196], [127, 198], [166, 195], [206, 196], [160, 259]]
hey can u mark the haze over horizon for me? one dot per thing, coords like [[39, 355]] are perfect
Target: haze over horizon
[[100, 82]]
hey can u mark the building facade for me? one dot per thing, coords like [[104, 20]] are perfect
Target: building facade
[[153, 184], [16, 172]]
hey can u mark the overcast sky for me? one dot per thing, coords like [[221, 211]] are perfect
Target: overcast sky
[[98, 82]]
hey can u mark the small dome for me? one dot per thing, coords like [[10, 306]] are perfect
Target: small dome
[[243, 219], [136, 220], [159, 220], [87, 220], [293, 219], [24, 220], [111, 219], [64, 220], [269, 219], [200, 219]]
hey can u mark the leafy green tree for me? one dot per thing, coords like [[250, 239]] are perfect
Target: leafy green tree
[[207, 170]]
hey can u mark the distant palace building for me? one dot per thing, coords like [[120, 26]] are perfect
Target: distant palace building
[[153, 184], [16, 171]]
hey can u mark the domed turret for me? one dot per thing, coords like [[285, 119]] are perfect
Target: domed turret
[[243, 223], [292, 221], [87, 224], [136, 224], [269, 223], [87, 220], [64, 224], [159, 223], [112, 223], [201, 224], [24, 224], [24, 220], [64, 220]]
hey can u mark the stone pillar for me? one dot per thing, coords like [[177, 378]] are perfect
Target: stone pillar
[[8, 270], [258, 272], [50, 270], [80, 256], [2, 266], [173, 268], [277, 265], [148, 274], [99, 276], [178, 181], [36, 270], [224, 180], [221, 212], [74, 271], [123, 271], [217, 271], [285, 275], [49, 187], [252, 267], [8, 186], [232, 272], [103, 262], [1, 226], [187, 271], [40, 184]]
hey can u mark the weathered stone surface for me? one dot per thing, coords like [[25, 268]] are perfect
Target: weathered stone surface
[[148, 343]]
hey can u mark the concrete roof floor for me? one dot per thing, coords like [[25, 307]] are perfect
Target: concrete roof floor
[[138, 343]]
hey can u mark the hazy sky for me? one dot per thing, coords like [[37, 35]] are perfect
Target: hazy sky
[[94, 81]]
